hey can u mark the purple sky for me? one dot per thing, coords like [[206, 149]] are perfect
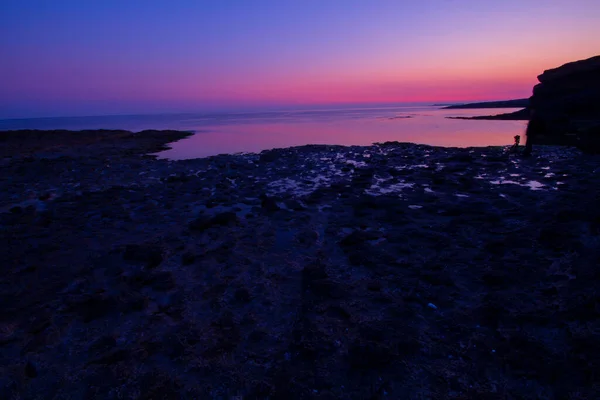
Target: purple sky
[[93, 57]]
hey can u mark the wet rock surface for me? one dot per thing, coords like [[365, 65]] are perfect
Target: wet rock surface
[[389, 271]]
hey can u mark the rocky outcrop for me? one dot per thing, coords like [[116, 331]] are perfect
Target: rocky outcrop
[[491, 104], [520, 115], [568, 98], [314, 272]]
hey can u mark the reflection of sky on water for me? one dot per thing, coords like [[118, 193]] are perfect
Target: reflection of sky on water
[[431, 128], [252, 132]]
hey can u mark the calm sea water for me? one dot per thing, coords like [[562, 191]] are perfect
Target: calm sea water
[[218, 133]]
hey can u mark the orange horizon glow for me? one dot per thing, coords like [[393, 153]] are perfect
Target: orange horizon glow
[[69, 59]]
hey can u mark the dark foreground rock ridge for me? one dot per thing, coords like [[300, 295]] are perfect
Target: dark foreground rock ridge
[[328, 272]]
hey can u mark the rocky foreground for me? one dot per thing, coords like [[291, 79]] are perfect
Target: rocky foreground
[[326, 272]]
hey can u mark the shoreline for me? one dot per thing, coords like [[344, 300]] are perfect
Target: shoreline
[[379, 267], [521, 115], [517, 103]]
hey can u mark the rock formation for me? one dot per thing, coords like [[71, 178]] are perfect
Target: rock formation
[[568, 98]]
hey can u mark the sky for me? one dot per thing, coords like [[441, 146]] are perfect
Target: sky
[[96, 57]]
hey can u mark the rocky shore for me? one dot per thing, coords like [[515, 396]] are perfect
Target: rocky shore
[[567, 99], [517, 103], [389, 271], [520, 115]]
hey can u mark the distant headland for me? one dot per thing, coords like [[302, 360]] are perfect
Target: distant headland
[[491, 104], [567, 98]]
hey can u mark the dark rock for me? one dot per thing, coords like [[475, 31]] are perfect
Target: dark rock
[[359, 237], [368, 355], [491, 104], [374, 286], [338, 312], [438, 178], [149, 255], [269, 156], [161, 281], [242, 295], [372, 332], [588, 139], [228, 335], [269, 203], [175, 343], [38, 323], [110, 357], [132, 301], [566, 99], [407, 345], [12, 219], [452, 211], [295, 205], [312, 273], [102, 345], [257, 336], [200, 223], [16, 210], [495, 278], [440, 278], [556, 236], [492, 311], [363, 177], [327, 288], [177, 178], [188, 258], [157, 385], [316, 280], [91, 307], [307, 237], [460, 157], [171, 304], [261, 390], [365, 205], [204, 222], [136, 279], [570, 69], [44, 196], [497, 247], [226, 218], [30, 370], [551, 291]]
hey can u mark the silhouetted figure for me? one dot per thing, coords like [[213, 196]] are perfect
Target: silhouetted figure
[[515, 147], [535, 127]]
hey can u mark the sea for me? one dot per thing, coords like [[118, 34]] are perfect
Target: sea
[[244, 132]]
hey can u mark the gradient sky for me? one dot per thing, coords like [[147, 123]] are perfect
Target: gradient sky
[[93, 57]]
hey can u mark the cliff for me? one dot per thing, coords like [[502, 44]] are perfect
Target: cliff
[[568, 99]]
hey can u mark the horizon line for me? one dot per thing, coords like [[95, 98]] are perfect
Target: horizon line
[[262, 109]]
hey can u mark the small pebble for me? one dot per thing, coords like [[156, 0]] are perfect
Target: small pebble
[[431, 305]]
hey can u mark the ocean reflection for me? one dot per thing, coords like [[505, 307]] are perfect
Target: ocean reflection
[[217, 133], [432, 128]]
